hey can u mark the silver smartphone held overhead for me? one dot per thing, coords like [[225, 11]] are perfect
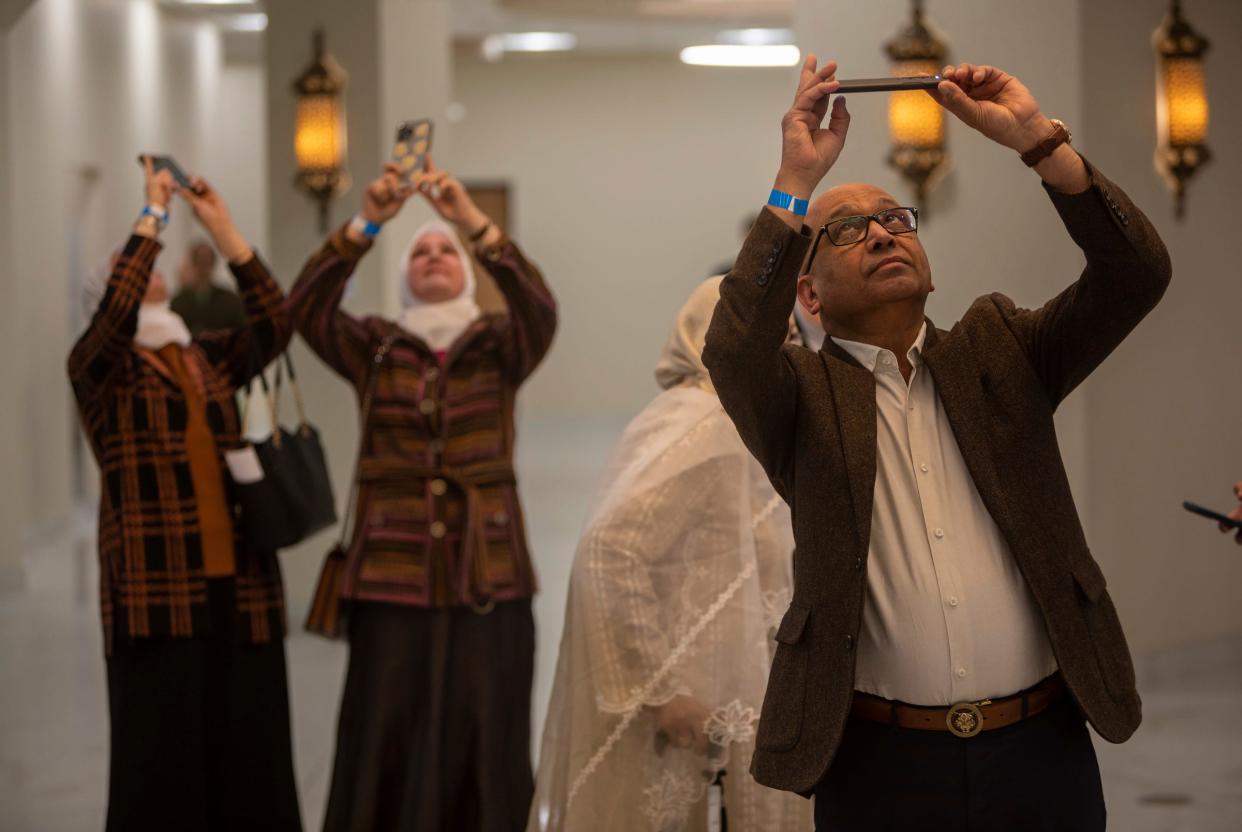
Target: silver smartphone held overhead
[[912, 82]]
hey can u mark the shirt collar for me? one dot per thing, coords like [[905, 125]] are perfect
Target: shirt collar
[[869, 355]]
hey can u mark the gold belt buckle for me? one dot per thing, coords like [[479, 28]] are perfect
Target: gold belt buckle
[[965, 719]]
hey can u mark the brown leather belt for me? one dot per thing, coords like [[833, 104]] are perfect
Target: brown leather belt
[[965, 719]]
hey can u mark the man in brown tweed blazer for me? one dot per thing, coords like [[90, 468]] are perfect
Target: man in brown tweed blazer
[[949, 629]]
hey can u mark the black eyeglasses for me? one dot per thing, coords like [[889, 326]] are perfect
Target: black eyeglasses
[[846, 231]]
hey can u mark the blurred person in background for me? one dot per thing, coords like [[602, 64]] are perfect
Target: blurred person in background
[[193, 619], [434, 725], [679, 581], [201, 302]]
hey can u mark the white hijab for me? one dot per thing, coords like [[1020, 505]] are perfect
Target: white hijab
[[682, 359], [680, 577], [439, 324], [158, 325]]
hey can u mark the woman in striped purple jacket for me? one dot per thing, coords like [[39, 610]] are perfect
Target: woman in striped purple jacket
[[437, 578]]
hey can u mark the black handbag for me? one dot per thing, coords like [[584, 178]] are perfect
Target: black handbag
[[293, 499]]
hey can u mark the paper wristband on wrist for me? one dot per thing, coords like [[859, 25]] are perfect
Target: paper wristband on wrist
[[780, 199], [161, 216], [364, 226]]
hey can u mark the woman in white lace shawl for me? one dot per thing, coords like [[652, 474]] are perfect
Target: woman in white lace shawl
[[677, 586]]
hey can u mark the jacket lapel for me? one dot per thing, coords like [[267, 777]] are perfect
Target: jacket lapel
[[956, 373], [853, 394]]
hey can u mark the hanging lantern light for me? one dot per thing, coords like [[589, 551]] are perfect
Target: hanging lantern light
[[1181, 103], [319, 140], [915, 120]]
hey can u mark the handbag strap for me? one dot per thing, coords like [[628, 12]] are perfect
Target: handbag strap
[[368, 396], [293, 384], [269, 396]]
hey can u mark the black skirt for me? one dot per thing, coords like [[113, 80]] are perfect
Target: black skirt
[[434, 730], [200, 731]]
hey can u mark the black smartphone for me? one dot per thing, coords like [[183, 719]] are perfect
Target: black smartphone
[[159, 163], [912, 82], [1195, 508], [410, 149]]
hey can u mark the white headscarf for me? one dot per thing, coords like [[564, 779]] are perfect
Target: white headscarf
[[439, 324], [682, 359], [678, 582], [158, 325]]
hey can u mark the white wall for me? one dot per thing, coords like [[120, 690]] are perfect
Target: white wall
[[10, 442], [1164, 412], [89, 86]]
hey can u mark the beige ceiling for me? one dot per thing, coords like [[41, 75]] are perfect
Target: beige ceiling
[[753, 11]]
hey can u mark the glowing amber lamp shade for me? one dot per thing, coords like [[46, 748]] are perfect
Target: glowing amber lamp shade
[[1181, 103], [319, 135], [914, 117], [1182, 109]]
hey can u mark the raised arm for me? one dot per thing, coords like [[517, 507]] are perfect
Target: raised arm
[[109, 336], [337, 337], [242, 352], [532, 309], [1127, 268], [744, 354]]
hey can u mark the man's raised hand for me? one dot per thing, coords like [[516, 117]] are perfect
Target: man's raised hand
[[809, 149], [993, 102]]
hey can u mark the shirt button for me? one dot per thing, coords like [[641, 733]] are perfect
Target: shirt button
[[500, 518], [427, 407], [924, 468], [939, 532], [432, 375], [961, 673], [439, 487], [953, 602], [438, 530], [436, 445]]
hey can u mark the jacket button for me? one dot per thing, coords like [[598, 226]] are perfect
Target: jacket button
[[849, 643], [857, 564], [438, 530], [439, 487], [763, 279], [427, 407]]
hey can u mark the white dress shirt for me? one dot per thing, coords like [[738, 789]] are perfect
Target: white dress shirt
[[948, 616]]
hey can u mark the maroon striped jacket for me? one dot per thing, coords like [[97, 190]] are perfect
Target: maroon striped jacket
[[151, 577], [439, 521]]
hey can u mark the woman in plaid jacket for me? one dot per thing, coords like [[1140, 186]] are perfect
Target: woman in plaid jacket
[[193, 620], [434, 727]]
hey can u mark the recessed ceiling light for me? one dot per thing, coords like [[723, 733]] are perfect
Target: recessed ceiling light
[[248, 22], [725, 54], [494, 46], [756, 37]]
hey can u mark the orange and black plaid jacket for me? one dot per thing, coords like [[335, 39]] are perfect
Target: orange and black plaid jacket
[[151, 577]]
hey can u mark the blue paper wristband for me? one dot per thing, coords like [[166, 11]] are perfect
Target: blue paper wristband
[[780, 199], [161, 218], [371, 228]]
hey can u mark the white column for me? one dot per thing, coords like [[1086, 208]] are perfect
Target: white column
[[11, 573]]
